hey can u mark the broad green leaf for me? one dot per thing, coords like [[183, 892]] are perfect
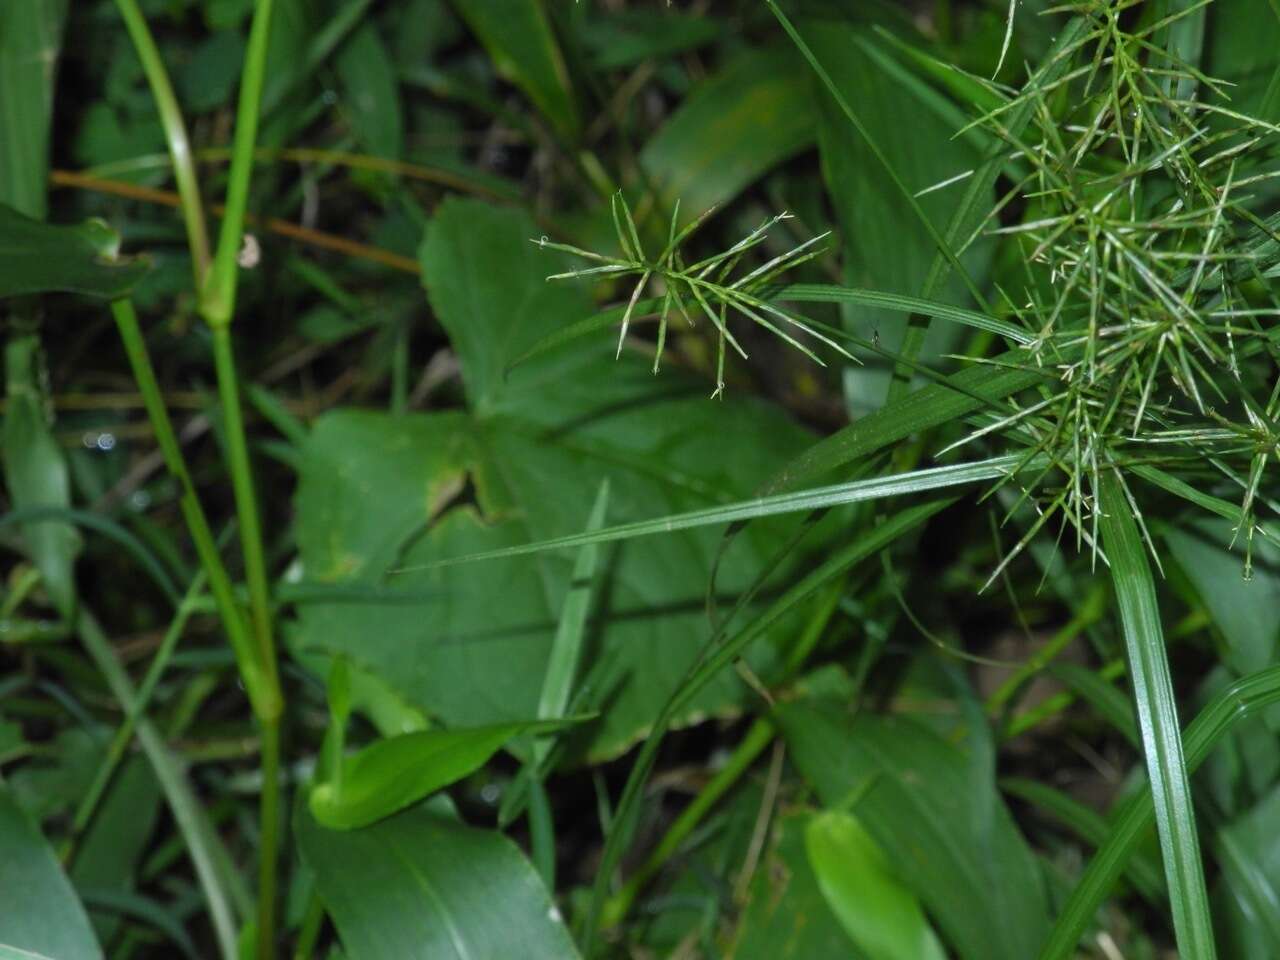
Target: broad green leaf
[[1244, 610], [207, 80], [37, 257], [1157, 712], [524, 50], [422, 886], [391, 774], [535, 447], [35, 472], [371, 95], [950, 840], [30, 37], [623, 38], [107, 856], [885, 245], [741, 122], [880, 914], [786, 916], [40, 912], [13, 953]]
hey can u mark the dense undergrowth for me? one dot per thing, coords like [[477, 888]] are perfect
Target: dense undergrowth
[[622, 479]]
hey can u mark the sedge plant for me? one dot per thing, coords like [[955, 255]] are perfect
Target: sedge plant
[[1144, 314]]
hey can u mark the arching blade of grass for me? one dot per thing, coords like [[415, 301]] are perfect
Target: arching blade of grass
[[916, 481], [209, 858], [1158, 722], [719, 653], [1090, 826], [833, 293], [1243, 699]]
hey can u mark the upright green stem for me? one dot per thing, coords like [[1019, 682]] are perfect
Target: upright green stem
[[218, 296], [175, 131], [265, 700], [217, 306], [237, 451]]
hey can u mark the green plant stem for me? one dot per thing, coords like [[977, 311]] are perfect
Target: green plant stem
[[1041, 712], [758, 737], [201, 841], [269, 841], [309, 932], [1089, 613], [124, 734], [1158, 721], [218, 295], [233, 621], [175, 131], [237, 450]]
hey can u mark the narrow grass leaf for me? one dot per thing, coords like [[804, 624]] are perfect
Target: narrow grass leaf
[[1090, 826], [525, 51], [35, 471], [876, 488], [1158, 722], [566, 647]]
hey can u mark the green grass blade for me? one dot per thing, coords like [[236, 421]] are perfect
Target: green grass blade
[[1158, 722], [1243, 699], [566, 647], [818, 498], [1090, 826], [99, 523], [833, 293], [208, 856]]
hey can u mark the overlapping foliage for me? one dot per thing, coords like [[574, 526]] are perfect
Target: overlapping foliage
[[453, 619]]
